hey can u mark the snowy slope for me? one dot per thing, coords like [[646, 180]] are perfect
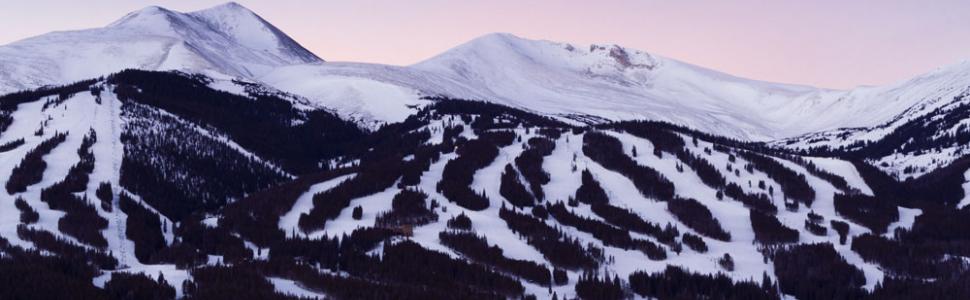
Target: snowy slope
[[564, 166], [931, 134], [610, 82], [621, 83], [76, 116], [370, 94], [227, 39], [575, 82]]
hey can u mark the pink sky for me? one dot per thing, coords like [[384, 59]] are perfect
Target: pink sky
[[836, 44]]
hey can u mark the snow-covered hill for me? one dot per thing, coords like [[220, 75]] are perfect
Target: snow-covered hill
[[594, 83], [621, 83], [227, 39], [926, 136], [581, 83], [370, 94]]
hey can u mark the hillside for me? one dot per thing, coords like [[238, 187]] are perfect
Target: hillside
[[600, 83], [566, 206]]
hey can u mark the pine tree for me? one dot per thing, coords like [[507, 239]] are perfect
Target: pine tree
[[358, 213]]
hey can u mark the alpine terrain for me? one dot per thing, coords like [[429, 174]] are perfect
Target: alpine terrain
[[207, 155]]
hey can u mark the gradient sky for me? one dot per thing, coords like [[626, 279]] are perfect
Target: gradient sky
[[835, 44]]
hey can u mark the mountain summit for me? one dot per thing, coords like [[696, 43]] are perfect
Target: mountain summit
[[227, 39], [596, 83]]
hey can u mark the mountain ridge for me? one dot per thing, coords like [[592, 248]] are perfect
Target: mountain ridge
[[581, 83], [152, 38], [671, 91]]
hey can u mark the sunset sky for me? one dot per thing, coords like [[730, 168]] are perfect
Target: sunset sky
[[835, 44]]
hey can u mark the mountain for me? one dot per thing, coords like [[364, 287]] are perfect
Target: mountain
[[609, 82], [619, 83], [592, 83], [227, 39], [930, 134], [503, 168], [597, 83]]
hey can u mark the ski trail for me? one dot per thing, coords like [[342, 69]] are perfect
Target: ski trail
[[119, 223]]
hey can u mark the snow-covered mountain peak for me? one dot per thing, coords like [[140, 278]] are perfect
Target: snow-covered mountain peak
[[503, 50], [144, 16], [231, 10], [605, 81], [227, 12], [250, 30], [229, 6], [230, 21], [227, 39]]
